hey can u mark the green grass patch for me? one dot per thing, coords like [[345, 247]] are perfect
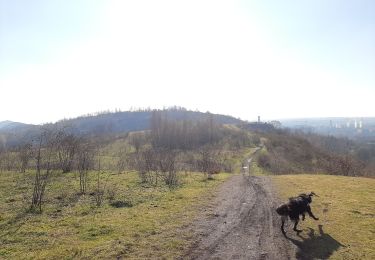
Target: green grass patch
[[135, 221], [256, 170], [346, 208]]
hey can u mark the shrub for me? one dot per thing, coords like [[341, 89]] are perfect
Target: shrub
[[121, 204]]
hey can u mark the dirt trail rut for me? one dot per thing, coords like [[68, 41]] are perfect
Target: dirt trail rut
[[242, 224]]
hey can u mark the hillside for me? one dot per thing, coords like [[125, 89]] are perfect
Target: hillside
[[129, 121], [10, 125], [104, 124], [286, 152], [13, 133]]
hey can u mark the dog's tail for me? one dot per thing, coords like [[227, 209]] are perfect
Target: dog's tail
[[282, 210]]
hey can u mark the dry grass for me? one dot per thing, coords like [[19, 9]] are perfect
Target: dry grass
[[346, 208], [72, 227]]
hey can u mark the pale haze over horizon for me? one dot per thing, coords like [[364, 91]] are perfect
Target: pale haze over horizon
[[276, 59]]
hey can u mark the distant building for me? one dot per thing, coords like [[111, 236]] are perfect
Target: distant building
[[276, 124], [259, 127], [258, 119]]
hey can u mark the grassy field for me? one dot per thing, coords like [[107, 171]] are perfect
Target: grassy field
[[346, 208], [151, 223]]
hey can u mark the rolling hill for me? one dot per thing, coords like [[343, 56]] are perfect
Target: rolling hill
[[12, 133]]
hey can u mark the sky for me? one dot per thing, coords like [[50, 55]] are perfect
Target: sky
[[276, 59]]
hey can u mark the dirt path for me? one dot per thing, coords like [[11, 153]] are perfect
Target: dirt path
[[241, 224]]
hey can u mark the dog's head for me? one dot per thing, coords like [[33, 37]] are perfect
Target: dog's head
[[310, 196], [307, 197]]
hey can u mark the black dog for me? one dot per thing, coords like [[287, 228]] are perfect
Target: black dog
[[294, 208]]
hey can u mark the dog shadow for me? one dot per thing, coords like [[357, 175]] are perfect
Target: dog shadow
[[316, 246]]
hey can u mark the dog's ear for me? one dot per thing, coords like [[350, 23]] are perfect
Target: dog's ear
[[313, 194]]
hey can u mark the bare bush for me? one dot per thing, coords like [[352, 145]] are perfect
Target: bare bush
[[146, 166], [85, 158], [67, 147], [9, 160], [25, 153], [137, 140], [111, 192], [166, 164], [345, 165], [208, 163], [263, 160], [44, 167], [100, 187], [124, 160], [154, 165]]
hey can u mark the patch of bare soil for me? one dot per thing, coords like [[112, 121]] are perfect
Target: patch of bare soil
[[241, 224]]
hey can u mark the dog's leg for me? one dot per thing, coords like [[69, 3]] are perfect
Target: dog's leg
[[303, 216], [311, 214], [282, 225], [295, 226]]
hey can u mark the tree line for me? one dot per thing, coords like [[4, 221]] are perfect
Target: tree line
[[158, 155]]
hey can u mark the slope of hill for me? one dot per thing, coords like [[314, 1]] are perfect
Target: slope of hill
[[134, 121], [10, 125], [13, 133], [286, 152], [105, 123]]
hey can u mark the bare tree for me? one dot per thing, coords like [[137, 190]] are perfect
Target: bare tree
[[9, 159], [176, 134], [67, 147], [44, 166], [2, 157], [123, 160], [146, 167], [100, 188], [85, 157], [25, 153], [137, 140]]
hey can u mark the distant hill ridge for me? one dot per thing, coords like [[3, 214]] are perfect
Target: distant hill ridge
[[106, 123], [117, 122], [9, 124]]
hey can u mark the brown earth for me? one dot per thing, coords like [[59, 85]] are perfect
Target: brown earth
[[241, 223]]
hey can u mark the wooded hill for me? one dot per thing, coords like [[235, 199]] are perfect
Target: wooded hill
[[103, 123]]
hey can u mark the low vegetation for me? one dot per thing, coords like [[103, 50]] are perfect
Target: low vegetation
[[286, 152], [135, 220], [127, 195], [346, 208]]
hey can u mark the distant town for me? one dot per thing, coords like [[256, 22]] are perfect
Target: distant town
[[361, 129]]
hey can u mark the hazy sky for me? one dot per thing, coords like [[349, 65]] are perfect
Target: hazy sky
[[276, 59]]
